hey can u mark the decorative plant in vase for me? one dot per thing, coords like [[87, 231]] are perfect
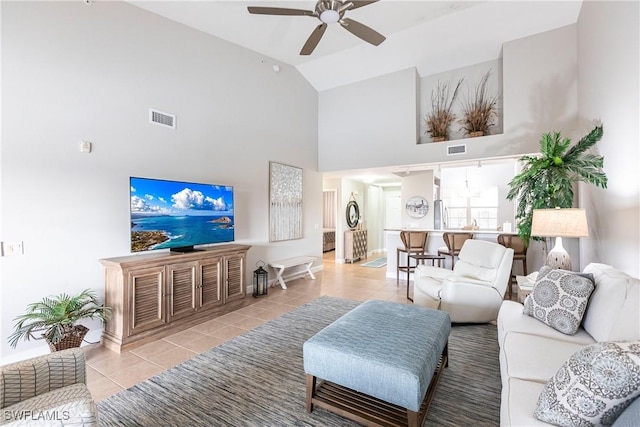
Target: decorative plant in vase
[[55, 319], [441, 116], [480, 111], [546, 181]]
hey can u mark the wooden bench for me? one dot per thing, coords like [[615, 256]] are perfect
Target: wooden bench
[[280, 265]]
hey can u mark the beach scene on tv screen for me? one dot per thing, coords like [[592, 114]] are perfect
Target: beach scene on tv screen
[[172, 214]]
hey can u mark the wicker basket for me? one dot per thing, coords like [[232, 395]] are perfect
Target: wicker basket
[[71, 339]]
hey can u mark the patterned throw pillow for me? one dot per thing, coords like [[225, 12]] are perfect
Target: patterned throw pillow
[[559, 299], [593, 387]]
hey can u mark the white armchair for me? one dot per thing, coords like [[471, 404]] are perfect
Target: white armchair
[[474, 290]]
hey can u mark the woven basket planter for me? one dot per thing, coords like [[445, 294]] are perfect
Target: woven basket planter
[[71, 339], [476, 133]]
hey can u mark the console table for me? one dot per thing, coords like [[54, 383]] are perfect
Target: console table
[[153, 295], [355, 245]]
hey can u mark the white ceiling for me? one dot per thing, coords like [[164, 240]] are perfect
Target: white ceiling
[[433, 36]]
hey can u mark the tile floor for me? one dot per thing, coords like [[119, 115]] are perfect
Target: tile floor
[[109, 372]]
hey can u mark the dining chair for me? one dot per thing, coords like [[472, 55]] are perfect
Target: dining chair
[[453, 243], [413, 242], [516, 243]]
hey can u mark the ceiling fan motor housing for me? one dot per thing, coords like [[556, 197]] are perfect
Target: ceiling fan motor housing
[[330, 11]]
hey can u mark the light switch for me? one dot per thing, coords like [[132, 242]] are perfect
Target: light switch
[[12, 248]]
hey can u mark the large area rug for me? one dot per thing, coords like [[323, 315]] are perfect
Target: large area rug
[[257, 379]]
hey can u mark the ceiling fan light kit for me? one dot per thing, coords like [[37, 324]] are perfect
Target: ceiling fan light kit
[[328, 12], [329, 16]]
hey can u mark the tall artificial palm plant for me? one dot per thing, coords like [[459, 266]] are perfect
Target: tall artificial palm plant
[[546, 181]]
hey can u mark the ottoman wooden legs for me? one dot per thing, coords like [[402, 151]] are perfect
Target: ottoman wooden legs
[[366, 409], [311, 388]]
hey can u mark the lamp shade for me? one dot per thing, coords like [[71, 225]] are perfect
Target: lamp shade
[[570, 222]]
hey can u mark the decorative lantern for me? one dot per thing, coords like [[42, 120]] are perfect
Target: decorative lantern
[[260, 281]]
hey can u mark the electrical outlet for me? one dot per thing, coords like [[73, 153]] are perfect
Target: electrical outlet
[[12, 248]]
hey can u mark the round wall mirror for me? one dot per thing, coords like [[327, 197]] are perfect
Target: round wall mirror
[[353, 214]]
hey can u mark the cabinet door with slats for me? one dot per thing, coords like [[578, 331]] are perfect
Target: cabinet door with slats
[[146, 308], [235, 286], [210, 290], [182, 289]]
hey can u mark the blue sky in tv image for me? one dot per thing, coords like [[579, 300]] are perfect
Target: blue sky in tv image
[[169, 214]]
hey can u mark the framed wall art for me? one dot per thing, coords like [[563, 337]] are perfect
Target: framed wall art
[[417, 207], [285, 202]]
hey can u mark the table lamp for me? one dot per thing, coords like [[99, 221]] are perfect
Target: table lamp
[[559, 223]]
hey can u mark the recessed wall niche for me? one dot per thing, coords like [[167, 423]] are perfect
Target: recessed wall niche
[[472, 77]]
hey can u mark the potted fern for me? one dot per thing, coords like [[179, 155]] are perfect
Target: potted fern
[[55, 319], [546, 181], [441, 116], [480, 111]]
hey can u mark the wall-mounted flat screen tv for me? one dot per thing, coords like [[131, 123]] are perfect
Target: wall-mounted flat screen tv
[[179, 215]]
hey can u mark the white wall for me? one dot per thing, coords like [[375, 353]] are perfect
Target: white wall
[[608, 90], [417, 184], [347, 188], [370, 123], [72, 72], [374, 218], [540, 87]]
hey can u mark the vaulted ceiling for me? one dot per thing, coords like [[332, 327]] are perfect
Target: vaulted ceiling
[[433, 36]]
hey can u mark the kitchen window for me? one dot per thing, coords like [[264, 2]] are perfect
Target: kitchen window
[[472, 207]]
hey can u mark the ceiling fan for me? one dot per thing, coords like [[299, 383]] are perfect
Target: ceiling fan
[[328, 12]]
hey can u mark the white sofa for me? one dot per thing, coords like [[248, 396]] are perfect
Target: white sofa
[[532, 352]]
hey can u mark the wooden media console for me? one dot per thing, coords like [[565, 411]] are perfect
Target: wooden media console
[[157, 294]]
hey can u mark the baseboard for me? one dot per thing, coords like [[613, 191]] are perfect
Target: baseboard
[[92, 337]]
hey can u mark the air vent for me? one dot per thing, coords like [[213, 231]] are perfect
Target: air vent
[[456, 149], [162, 119]]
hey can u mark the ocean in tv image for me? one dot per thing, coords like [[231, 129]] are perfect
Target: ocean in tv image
[[173, 214]]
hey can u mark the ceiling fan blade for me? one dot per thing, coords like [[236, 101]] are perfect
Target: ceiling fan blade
[[360, 30], [357, 4], [313, 40], [279, 11]]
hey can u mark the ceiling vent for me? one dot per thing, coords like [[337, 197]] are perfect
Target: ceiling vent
[[162, 119], [456, 149]]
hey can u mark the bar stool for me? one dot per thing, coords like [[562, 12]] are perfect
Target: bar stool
[[453, 242], [415, 242], [519, 254]]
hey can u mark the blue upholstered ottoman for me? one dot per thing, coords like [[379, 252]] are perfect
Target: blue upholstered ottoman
[[383, 350]]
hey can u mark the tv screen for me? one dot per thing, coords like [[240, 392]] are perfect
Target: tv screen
[[179, 215]]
